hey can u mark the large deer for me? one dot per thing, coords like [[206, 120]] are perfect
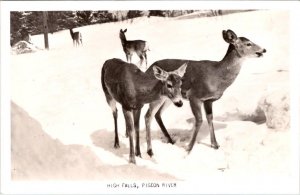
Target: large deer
[[77, 37], [125, 83], [139, 47], [203, 83]]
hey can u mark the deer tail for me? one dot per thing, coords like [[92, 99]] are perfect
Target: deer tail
[[147, 48]]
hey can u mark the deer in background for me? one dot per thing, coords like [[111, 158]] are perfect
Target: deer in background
[[76, 36], [139, 47], [127, 84], [203, 83]]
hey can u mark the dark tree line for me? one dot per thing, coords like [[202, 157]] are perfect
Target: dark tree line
[[31, 22]]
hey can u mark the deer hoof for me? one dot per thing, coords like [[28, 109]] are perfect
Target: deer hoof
[[117, 145], [171, 142], [138, 154], [132, 160], [188, 149], [215, 146], [150, 153]]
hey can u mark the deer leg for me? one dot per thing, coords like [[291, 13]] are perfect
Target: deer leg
[[127, 57], [195, 104], [145, 56], [129, 128], [130, 58], [136, 116], [153, 108], [80, 38], [160, 122], [209, 117], [141, 58], [112, 103], [115, 115]]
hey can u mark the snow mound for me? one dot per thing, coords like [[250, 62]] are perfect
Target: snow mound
[[276, 106], [235, 108], [253, 149], [35, 155], [242, 100], [24, 47]]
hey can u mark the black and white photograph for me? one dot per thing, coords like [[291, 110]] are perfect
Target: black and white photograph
[[149, 97]]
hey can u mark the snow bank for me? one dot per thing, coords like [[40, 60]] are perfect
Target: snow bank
[[37, 156], [276, 107], [254, 150], [242, 100], [23, 47]]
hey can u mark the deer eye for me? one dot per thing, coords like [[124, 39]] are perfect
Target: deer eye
[[249, 44], [169, 85]]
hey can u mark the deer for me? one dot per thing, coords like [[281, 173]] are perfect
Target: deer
[[126, 84], [77, 37], [139, 47], [204, 82]]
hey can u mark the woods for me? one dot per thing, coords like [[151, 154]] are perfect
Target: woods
[[31, 22]]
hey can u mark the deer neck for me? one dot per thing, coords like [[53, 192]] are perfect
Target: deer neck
[[151, 89], [230, 65], [123, 40], [71, 32]]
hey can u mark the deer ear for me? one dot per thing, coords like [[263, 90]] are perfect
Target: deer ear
[[125, 30], [229, 36], [160, 74], [181, 70]]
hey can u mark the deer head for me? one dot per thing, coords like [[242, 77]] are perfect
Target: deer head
[[171, 83], [243, 46]]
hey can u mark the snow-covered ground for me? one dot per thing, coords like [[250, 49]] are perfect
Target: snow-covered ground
[[60, 89]]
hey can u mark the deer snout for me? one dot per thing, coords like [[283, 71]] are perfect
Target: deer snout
[[260, 53], [179, 103]]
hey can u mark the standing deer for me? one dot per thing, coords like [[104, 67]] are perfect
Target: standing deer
[[76, 36], [204, 82], [127, 84], [140, 47]]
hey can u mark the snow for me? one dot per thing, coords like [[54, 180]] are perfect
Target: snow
[[50, 159], [276, 106], [59, 92], [23, 47]]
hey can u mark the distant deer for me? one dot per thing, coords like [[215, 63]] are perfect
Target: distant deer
[[127, 84], [77, 38], [139, 47], [204, 82]]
